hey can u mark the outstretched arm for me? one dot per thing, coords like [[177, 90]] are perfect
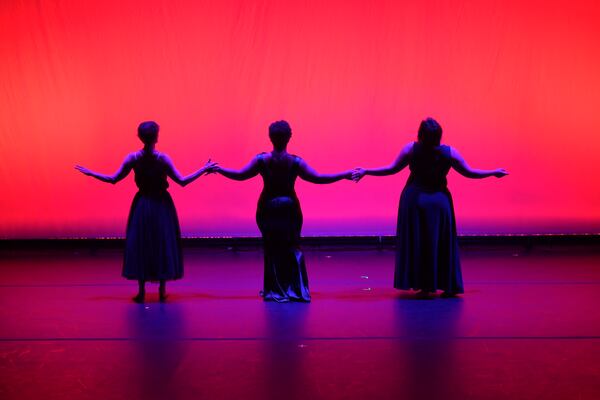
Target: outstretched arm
[[250, 170], [461, 166], [174, 174], [121, 173], [399, 163], [310, 175]]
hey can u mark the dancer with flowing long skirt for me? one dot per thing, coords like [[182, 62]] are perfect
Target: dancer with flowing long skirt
[[153, 238], [427, 257]]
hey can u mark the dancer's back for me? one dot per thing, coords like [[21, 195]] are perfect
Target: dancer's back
[[429, 166], [279, 173], [150, 171]]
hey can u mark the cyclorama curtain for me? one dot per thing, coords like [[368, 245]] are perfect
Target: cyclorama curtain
[[514, 84]]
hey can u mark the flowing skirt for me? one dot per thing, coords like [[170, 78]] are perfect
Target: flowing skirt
[[427, 247], [285, 278], [153, 241]]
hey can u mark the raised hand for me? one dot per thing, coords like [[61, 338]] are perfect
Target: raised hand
[[358, 173], [83, 170], [500, 172]]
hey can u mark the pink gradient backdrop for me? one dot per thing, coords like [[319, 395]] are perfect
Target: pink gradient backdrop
[[514, 84]]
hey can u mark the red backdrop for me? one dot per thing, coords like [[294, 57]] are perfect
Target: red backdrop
[[514, 84]]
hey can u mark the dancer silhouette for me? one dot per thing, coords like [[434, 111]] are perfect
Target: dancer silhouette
[[279, 216], [153, 238], [427, 257]]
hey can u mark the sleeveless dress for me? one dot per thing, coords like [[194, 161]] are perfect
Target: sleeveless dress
[[153, 239], [427, 247], [279, 219]]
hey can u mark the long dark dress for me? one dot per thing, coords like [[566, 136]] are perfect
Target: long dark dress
[[427, 247], [279, 219], [153, 239]]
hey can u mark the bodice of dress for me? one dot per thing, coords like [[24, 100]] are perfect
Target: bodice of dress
[[429, 167], [150, 172], [279, 175]]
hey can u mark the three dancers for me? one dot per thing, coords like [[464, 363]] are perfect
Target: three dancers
[[427, 256]]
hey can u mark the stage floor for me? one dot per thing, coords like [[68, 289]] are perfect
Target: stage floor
[[528, 327]]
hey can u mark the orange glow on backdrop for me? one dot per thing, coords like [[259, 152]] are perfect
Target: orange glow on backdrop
[[514, 84]]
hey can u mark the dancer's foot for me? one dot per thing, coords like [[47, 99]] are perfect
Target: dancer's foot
[[448, 295], [162, 292], [139, 298], [162, 297], [423, 294]]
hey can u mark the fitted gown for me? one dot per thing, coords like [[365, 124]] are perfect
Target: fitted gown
[[153, 239], [279, 219], [427, 247]]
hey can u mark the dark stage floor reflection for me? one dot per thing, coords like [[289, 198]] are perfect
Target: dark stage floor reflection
[[527, 327]]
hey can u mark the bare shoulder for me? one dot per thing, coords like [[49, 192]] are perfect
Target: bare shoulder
[[457, 160], [164, 157], [408, 147], [132, 157], [454, 153], [406, 151], [303, 167], [301, 162]]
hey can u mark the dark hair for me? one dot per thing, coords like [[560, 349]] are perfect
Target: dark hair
[[280, 133], [430, 132], [148, 132]]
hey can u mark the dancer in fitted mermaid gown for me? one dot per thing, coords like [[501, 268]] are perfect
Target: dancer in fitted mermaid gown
[[279, 216]]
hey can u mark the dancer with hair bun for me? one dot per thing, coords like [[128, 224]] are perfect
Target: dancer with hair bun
[[153, 238]]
